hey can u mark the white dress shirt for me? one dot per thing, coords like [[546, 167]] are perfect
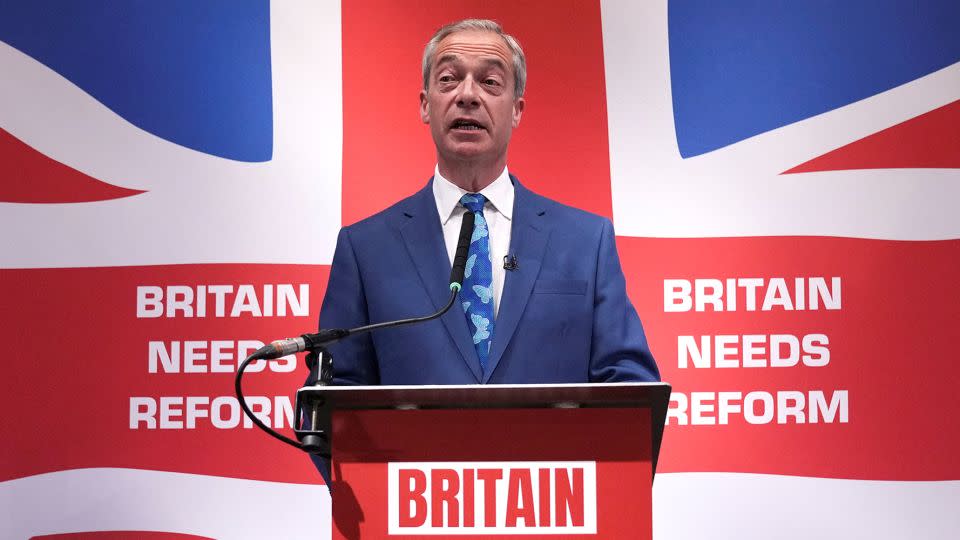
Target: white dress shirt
[[498, 211]]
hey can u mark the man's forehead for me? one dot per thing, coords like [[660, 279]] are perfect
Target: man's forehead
[[473, 43]]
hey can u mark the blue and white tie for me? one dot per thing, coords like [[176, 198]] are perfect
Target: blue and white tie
[[477, 293]]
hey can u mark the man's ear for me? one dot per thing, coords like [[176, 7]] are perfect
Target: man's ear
[[424, 107], [518, 105]]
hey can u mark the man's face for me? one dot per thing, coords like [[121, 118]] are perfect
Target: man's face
[[470, 102]]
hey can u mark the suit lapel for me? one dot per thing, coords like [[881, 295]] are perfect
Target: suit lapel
[[528, 240], [423, 236]]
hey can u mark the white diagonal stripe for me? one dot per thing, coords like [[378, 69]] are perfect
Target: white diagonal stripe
[[695, 506], [106, 499]]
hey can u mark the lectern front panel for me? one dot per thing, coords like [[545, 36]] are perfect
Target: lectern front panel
[[492, 473]]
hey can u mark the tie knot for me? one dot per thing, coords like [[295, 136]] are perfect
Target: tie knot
[[473, 202]]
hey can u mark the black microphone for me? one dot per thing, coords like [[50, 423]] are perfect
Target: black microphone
[[310, 342], [463, 247], [510, 262], [305, 342]]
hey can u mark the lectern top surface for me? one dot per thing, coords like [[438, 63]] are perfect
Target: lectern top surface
[[636, 394], [652, 395]]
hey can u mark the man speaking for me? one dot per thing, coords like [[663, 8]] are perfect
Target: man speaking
[[544, 298]]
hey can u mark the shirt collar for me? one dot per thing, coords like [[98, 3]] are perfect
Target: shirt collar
[[447, 195]]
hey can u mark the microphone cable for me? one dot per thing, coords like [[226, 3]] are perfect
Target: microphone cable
[[315, 342], [264, 353]]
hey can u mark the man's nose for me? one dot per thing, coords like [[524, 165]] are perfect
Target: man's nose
[[468, 93]]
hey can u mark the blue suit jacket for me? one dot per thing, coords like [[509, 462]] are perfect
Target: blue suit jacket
[[564, 315]]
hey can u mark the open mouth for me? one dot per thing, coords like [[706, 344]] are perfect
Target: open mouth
[[464, 124]]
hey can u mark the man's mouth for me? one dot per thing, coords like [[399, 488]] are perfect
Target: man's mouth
[[464, 124]]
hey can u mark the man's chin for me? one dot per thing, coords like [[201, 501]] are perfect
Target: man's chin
[[468, 151]]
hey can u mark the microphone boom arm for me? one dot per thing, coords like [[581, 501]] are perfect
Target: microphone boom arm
[[316, 440]]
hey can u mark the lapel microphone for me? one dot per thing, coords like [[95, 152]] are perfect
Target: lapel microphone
[[510, 262]]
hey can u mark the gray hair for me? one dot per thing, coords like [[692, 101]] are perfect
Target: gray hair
[[486, 25]]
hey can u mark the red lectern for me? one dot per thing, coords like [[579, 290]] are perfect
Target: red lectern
[[493, 461]]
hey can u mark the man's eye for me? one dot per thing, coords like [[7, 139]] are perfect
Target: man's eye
[[445, 78], [492, 82]]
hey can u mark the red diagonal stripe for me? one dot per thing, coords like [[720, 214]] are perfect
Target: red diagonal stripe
[[120, 535], [929, 141], [31, 177]]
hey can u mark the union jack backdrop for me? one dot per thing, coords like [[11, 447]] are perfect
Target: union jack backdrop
[[784, 179]]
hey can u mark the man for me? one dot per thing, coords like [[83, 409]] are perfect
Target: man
[[544, 298]]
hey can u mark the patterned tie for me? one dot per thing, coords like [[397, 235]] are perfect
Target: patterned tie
[[477, 293]]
